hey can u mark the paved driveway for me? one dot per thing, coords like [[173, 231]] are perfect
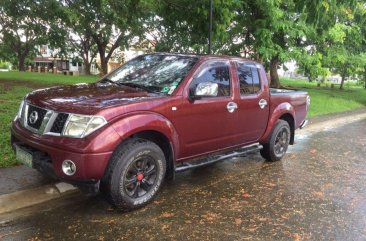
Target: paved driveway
[[318, 192]]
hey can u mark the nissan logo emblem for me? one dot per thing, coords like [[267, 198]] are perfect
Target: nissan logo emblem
[[33, 117]]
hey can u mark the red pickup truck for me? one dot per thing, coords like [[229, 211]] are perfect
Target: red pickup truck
[[155, 115]]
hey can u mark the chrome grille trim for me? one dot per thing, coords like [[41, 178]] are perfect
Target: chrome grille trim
[[47, 122]]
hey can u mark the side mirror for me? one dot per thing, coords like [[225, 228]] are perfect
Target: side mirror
[[206, 89]]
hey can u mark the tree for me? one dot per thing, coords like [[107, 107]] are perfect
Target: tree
[[182, 25], [110, 23], [82, 43], [360, 18], [24, 25], [342, 44], [270, 32], [310, 64], [79, 39]]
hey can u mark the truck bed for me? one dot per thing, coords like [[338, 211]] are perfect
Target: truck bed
[[296, 98]]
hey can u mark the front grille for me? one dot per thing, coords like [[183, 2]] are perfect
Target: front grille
[[59, 123], [43, 121], [35, 116]]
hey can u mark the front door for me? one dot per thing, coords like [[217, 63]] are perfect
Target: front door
[[206, 124]]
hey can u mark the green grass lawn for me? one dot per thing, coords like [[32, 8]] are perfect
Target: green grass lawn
[[15, 85], [326, 100], [47, 79]]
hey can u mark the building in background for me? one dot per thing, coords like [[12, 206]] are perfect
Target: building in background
[[47, 59]]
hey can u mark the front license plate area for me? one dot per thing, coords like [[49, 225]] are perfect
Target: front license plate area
[[23, 156]]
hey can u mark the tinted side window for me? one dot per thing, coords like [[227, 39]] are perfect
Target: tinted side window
[[256, 82], [245, 79], [215, 72], [248, 79]]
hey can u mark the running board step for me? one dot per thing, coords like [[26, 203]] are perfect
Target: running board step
[[212, 159]]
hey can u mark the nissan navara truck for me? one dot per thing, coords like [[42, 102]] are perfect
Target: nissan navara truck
[[152, 117]]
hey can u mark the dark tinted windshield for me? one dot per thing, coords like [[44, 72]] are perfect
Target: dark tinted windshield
[[155, 72]]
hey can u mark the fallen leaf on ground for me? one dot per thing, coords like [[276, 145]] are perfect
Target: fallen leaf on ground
[[246, 195], [166, 215], [318, 194], [238, 221]]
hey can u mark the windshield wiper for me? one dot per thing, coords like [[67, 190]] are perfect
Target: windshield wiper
[[134, 85], [109, 81]]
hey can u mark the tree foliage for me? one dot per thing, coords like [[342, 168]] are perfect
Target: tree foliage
[[323, 36], [26, 24], [341, 44], [182, 25], [110, 24]]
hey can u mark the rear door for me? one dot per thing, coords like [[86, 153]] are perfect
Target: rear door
[[253, 102], [206, 124]]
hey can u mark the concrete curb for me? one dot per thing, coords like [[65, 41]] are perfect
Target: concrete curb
[[25, 198]]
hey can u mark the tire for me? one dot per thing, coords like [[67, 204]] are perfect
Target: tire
[[134, 175], [277, 144]]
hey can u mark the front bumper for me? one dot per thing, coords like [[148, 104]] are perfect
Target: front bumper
[[49, 153]]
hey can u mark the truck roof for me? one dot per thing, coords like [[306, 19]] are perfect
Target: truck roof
[[207, 56]]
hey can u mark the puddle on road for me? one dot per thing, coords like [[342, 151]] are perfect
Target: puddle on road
[[301, 141], [302, 137]]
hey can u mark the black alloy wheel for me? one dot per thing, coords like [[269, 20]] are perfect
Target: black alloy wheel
[[134, 175], [281, 143], [140, 176], [277, 145]]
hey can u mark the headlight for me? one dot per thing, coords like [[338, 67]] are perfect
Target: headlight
[[80, 126], [19, 114]]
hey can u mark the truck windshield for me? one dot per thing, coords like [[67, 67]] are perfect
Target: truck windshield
[[155, 72]]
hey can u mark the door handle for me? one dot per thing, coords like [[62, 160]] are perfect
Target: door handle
[[262, 103], [231, 107]]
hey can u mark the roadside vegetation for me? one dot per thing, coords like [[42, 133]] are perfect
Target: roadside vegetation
[[327, 100], [15, 85], [323, 37], [46, 79]]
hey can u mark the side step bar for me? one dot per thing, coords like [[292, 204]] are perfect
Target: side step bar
[[212, 159]]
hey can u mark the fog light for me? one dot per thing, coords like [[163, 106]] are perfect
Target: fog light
[[68, 167]]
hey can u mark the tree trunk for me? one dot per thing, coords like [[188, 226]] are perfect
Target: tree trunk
[[102, 55], [104, 65], [21, 62], [275, 81], [364, 76], [342, 82], [87, 66]]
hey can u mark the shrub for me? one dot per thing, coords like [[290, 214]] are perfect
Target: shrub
[[4, 65]]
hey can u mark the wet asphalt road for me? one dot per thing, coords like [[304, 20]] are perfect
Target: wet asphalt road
[[318, 192]]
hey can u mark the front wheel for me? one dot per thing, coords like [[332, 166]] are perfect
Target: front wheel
[[135, 174], [278, 143]]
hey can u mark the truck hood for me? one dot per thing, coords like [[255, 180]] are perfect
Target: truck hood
[[87, 98]]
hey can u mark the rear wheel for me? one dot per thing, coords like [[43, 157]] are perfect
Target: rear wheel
[[278, 143], [135, 174]]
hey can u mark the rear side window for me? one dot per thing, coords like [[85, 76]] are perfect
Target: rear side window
[[248, 79], [214, 72]]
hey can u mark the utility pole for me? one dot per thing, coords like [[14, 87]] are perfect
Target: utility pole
[[210, 29]]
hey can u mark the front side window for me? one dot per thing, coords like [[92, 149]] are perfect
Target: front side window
[[214, 72], [157, 73], [248, 79]]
